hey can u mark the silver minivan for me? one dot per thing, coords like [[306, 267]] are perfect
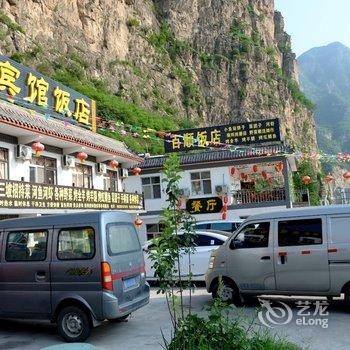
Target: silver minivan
[[290, 252], [75, 270]]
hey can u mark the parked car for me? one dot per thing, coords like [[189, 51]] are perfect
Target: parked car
[[75, 270], [291, 252], [221, 225], [205, 242]]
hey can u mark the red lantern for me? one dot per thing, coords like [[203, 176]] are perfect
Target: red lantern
[[136, 171], [38, 147], [328, 179], [224, 216], [225, 199], [82, 156], [114, 164], [224, 208], [270, 180], [346, 175], [264, 174], [279, 167], [232, 170], [138, 222], [306, 179], [255, 168], [243, 176]]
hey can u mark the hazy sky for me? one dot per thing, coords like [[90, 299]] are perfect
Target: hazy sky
[[315, 22]]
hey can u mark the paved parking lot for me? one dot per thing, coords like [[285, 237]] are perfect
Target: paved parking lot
[[143, 330]]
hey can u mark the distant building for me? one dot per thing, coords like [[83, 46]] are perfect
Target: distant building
[[245, 182]]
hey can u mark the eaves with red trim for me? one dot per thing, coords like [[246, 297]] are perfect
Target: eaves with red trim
[[20, 117]]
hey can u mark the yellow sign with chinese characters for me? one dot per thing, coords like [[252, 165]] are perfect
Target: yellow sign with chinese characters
[[28, 88], [16, 194]]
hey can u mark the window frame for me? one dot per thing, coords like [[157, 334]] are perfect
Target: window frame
[[151, 185], [241, 228], [278, 221], [75, 228], [46, 169], [84, 174], [110, 253], [113, 178], [201, 182], [46, 231], [5, 162]]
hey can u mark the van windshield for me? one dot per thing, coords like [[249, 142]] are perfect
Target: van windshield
[[122, 238]]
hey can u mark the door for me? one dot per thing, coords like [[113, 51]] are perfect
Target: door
[[301, 258], [75, 266], [204, 245], [249, 257], [25, 273]]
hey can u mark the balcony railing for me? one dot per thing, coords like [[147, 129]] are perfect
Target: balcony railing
[[251, 196]]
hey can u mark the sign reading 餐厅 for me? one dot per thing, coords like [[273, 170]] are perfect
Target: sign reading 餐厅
[[16, 194], [204, 205], [33, 90], [258, 132]]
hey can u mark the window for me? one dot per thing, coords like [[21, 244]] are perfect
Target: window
[[201, 183], [204, 241], [339, 232], [82, 176], [253, 236], [4, 163], [121, 239], [299, 232], [43, 170], [76, 244], [151, 187], [26, 246], [110, 181], [153, 230], [202, 226]]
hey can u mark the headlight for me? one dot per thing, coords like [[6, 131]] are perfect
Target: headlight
[[211, 262]]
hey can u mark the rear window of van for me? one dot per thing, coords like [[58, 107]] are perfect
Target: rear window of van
[[122, 238]]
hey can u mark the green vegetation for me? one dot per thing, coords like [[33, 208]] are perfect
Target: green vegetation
[[110, 106], [11, 25], [25, 56], [306, 168], [133, 22]]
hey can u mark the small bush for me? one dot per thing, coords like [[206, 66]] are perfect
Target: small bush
[[12, 26], [133, 22]]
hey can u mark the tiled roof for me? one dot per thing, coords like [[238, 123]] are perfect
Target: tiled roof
[[30, 120], [218, 156]]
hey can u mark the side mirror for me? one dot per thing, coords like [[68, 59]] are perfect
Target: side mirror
[[145, 249], [233, 244]]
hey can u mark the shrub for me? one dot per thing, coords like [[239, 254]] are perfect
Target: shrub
[[133, 22], [12, 26]]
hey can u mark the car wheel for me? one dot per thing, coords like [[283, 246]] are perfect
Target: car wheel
[[229, 293], [73, 324], [120, 319]]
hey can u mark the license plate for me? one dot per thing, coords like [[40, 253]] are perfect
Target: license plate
[[130, 282]]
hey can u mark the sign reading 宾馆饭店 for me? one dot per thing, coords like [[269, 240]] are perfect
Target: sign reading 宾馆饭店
[[204, 205], [28, 88], [257, 132], [17, 194]]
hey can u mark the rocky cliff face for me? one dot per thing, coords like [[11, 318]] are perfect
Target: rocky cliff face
[[210, 61]]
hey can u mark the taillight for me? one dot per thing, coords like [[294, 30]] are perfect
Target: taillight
[[106, 272]]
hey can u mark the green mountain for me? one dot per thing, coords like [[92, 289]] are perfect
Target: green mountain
[[325, 79]]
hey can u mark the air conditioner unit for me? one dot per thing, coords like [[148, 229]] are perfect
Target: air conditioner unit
[[24, 152], [68, 161], [185, 192], [101, 168], [221, 189], [124, 172]]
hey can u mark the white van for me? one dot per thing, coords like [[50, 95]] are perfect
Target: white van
[[290, 252]]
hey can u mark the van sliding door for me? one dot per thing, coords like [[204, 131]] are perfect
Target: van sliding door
[[300, 255]]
